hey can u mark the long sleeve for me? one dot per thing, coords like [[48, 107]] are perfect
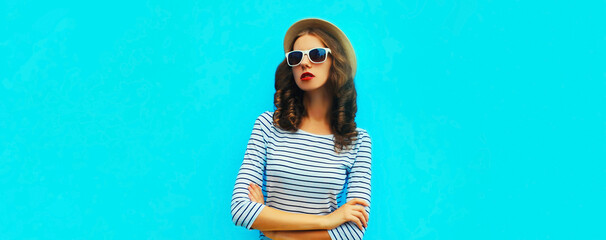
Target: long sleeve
[[358, 187], [243, 210]]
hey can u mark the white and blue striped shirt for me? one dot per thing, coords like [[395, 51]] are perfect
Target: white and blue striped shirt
[[301, 173]]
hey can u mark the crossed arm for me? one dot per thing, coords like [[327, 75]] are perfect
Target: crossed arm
[[347, 222], [303, 226]]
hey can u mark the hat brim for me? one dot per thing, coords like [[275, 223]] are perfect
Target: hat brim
[[331, 29]]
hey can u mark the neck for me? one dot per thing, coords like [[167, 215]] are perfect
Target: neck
[[317, 104]]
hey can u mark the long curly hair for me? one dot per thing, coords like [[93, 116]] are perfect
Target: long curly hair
[[288, 99]]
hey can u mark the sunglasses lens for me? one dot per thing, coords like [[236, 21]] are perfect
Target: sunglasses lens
[[317, 55], [294, 58]]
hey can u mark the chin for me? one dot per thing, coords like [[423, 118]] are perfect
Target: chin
[[308, 86]]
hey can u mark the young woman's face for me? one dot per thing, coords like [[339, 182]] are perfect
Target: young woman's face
[[320, 71]]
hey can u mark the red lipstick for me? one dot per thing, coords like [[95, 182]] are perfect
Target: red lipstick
[[306, 76]]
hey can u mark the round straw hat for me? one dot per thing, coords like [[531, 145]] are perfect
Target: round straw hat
[[330, 29]]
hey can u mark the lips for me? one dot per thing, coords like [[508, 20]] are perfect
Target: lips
[[306, 76]]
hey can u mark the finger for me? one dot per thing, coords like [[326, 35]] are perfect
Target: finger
[[358, 208], [252, 196], [251, 187], [363, 211], [360, 217], [358, 222], [254, 199], [256, 187], [354, 201], [257, 193], [257, 190], [358, 201], [367, 217]]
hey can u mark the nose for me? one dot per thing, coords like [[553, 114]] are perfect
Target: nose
[[305, 63]]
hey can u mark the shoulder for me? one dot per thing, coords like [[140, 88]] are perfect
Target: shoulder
[[363, 147], [266, 117], [265, 121], [363, 136]]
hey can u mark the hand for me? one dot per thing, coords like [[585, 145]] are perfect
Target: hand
[[350, 211], [255, 194]]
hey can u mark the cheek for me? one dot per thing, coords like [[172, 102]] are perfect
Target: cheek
[[296, 72], [326, 69]]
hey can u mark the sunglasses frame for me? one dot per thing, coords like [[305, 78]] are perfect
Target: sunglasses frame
[[306, 52]]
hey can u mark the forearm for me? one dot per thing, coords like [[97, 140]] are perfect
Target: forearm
[[271, 219], [307, 234]]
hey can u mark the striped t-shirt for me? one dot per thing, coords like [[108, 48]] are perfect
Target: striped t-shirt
[[301, 173]]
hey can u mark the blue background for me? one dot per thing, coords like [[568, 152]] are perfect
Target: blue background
[[129, 119]]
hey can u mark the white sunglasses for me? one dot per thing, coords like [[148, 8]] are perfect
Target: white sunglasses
[[315, 55]]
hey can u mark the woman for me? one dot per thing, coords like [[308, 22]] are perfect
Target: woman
[[308, 153]]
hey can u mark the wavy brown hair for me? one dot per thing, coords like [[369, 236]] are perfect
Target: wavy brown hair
[[288, 99]]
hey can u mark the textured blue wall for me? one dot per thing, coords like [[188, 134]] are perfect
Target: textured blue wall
[[129, 119]]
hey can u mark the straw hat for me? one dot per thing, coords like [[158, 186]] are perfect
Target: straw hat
[[331, 29]]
